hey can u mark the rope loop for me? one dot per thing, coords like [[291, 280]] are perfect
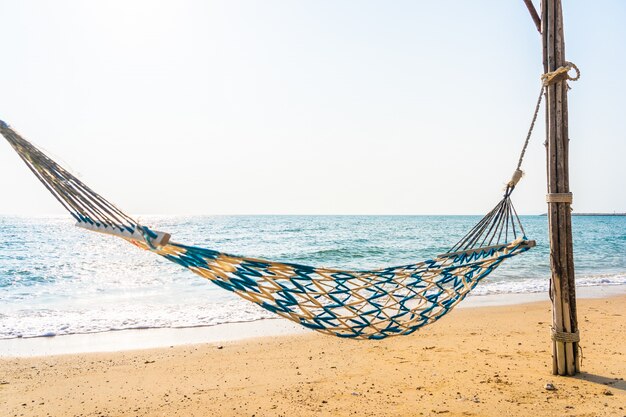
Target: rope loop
[[560, 74]]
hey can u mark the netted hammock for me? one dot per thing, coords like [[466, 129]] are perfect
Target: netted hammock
[[357, 304]]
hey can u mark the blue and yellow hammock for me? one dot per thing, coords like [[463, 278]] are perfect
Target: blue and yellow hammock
[[355, 304]]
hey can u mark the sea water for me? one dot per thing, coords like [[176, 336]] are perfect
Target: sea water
[[56, 279]]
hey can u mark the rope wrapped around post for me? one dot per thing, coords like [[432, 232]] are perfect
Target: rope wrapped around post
[[565, 337], [560, 74]]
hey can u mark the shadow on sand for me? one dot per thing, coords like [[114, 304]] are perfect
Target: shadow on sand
[[617, 383]]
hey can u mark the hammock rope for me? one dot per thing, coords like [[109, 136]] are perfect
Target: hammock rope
[[547, 79]]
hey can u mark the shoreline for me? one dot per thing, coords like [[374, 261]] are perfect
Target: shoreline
[[154, 338], [481, 362]]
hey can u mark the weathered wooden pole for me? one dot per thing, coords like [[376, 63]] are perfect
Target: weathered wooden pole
[[533, 14], [562, 289]]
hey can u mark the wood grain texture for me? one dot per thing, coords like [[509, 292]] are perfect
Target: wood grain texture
[[565, 354]]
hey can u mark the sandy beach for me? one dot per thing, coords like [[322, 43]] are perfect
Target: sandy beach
[[488, 361]]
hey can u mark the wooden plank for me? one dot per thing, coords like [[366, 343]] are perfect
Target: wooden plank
[[564, 208], [552, 210], [565, 355], [571, 278], [546, 68], [556, 160], [551, 107], [560, 188]]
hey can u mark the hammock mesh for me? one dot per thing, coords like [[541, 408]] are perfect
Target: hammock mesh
[[357, 304]]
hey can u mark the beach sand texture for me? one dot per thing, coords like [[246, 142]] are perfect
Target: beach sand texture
[[491, 361]]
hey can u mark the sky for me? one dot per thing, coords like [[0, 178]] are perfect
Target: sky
[[305, 107]]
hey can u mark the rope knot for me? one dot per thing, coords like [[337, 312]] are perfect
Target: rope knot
[[560, 74]]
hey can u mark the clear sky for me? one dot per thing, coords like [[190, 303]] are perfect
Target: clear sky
[[305, 107]]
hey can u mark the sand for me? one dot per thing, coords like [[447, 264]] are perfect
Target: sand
[[489, 361]]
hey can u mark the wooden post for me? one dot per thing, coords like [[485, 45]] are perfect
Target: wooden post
[[533, 14], [562, 288]]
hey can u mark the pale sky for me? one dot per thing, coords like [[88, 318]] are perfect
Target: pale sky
[[305, 107]]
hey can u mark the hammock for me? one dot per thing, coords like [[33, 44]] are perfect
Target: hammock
[[356, 304]]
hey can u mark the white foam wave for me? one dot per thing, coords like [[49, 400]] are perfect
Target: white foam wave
[[46, 323], [535, 285], [54, 322]]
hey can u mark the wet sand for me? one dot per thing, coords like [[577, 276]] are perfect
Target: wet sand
[[487, 361]]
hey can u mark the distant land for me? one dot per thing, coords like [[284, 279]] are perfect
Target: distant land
[[594, 214]]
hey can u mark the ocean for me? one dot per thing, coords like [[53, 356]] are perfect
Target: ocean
[[56, 279]]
